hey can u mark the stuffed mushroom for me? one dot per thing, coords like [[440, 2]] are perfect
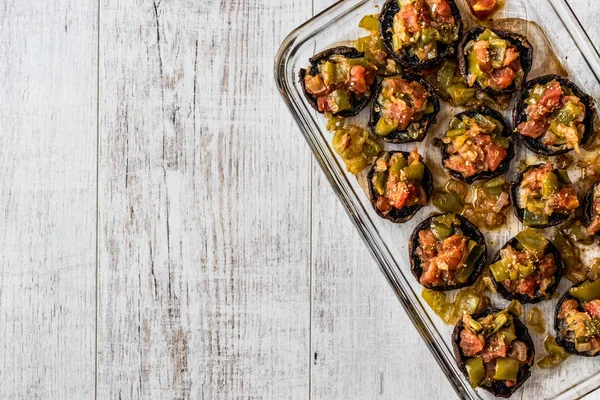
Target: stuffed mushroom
[[420, 33], [553, 116], [400, 184], [340, 81], [447, 252], [528, 268], [496, 61], [477, 145], [577, 319], [543, 196], [494, 350], [404, 109]]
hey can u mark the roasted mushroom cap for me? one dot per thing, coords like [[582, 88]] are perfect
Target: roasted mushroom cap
[[401, 136], [468, 229], [554, 219], [588, 204], [519, 41], [498, 388], [520, 115], [523, 298], [561, 341], [504, 165], [357, 103], [386, 23], [406, 213]]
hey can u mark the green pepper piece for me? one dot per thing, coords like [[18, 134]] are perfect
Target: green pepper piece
[[549, 184], [327, 70], [466, 301], [530, 218], [397, 164], [452, 133], [446, 219], [507, 369], [371, 148], [385, 126], [369, 22], [515, 308], [553, 348], [460, 93], [415, 171], [586, 291], [379, 181], [563, 177], [475, 370], [533, 242], [501, 141], [494, 182], [525, 271], [508, 335], [463, 273], [437, 301], [549, 361], [361, 44], [340, 100], [568, 113], [447, 201], [440, 230], [445, 75], [500, 270], [362, 61], [497, 51], [488, 35], [473, 65], [575, 231]]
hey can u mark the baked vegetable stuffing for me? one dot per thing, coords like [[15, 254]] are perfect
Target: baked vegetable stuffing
[[494, 60], [528, 268], [543, 196], [400, 184], [404, 109], [420, 33], [447, 252], [554, 116], [477, 145], [577, 319], [494, 350], [356, 146], [591, 210], [340, 81], [483, 9]]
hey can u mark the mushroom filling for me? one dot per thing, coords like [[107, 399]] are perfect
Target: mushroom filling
[[402, 104], [338, 79], [475, 144], [579, 318], [526, 268], [493, 350], [594, 226], [421, 24], [543, 192], [448, 257], [493, 62], [555, 116], [397, 181]]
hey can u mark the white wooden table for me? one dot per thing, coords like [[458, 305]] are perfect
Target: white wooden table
[[158, 229]]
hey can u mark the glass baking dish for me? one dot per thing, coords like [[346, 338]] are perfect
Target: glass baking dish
[[553, 28]]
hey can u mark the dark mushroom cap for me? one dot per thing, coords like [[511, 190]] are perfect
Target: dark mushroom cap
[[498, 388], [386, 22], [357, 103], [468, 229], [519, 41], [398, 136], [554, 219], [520, 115], [562, 342], [588, 204], [523, 298], [504, 165], [405, 213]]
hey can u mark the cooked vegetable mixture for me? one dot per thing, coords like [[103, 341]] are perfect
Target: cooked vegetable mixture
[[555, 116], [339, 79], [493, 350], [397, 181], [401, 105], [543, 192], [578, 319], [357, 148], [448, 256], [525, 268], [421, 25], [493, 62], [474, 144]]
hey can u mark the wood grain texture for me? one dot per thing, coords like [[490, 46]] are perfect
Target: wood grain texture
[[47, 198], [204, 204]]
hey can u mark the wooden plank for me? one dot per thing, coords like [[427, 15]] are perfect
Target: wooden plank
[[48, 147], [204, 212]]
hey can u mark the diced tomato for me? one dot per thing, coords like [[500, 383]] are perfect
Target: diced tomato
[[593, 308], [511, 55], [452, 253], [593, 227], [568, 307], [483, 59], [503, 77], [470, 344], [410, 18], [483, 9], [549, 101], [396, 192], [402, 113], [358, 83], [527, 286], [494, 155], [547, 266], [510, 384], [383, 204], [459, 164], [495, 347], [443, 14], [566, 199], [533, 128], [323, 104], [429, 275]]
